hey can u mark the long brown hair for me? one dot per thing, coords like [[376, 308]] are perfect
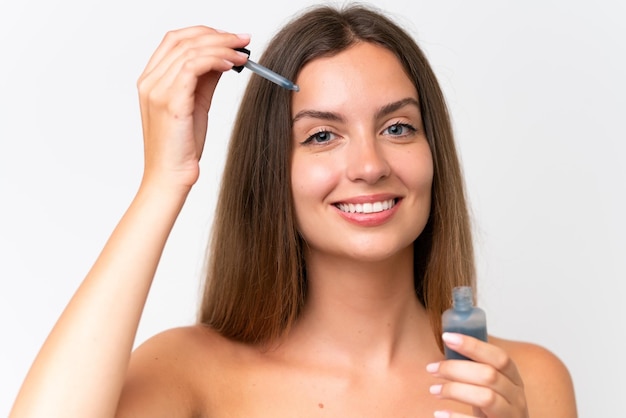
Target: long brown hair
[[256, 279]]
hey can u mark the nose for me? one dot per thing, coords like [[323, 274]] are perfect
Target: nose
[[366, 160]]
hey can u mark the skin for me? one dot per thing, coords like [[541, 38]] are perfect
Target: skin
[[363, 346]]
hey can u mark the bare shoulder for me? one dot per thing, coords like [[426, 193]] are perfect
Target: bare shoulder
[[163, 373], [547, 382]]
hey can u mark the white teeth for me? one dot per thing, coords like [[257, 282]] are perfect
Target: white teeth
[[373, 207]]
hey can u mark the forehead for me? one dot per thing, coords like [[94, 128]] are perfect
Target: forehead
[[364, 75]]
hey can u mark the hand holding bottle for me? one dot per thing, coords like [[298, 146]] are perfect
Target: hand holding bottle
[[490, 383]]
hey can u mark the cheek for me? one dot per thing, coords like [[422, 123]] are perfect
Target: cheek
[[312, 178], [417, 171], [311, 181], [423, 179]]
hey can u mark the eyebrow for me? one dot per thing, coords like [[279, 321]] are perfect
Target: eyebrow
[[392, 107], [336, 117]]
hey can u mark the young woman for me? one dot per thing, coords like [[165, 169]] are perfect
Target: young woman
[[340, 232]]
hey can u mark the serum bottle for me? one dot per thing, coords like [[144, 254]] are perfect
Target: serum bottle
[[464, 318]]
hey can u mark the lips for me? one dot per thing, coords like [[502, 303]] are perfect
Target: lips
[[367, 207]]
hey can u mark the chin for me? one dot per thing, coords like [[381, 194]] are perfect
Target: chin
[[377, 253]]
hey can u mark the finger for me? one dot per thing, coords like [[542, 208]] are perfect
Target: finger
[[478, 413], [170, 40], [175, 99], [485, 399], [190, 41], [179, 80], [450, 414], [174, 38], [469, 372], [174, 91], [477, 374], [178, 84], [483, 352], [199, 45]]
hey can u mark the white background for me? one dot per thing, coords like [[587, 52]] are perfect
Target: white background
[[538, 100]]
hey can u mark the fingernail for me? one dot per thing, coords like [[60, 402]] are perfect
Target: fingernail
[[451, 338], [243, 35], [432, 367], [441, 414], [435, 389]]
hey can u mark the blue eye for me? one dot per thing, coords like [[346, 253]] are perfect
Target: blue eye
[[399, 129], [320, 137]]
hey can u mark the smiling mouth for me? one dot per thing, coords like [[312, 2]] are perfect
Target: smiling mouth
[[373, 207]]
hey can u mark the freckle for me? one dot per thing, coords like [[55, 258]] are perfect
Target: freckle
[[321, 405]]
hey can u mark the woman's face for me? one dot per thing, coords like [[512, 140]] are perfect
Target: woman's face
[[362, 169]]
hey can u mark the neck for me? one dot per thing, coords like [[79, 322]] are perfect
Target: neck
[[365, 312]]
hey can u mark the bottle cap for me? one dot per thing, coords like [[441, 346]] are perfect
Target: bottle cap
[[238, 68]]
